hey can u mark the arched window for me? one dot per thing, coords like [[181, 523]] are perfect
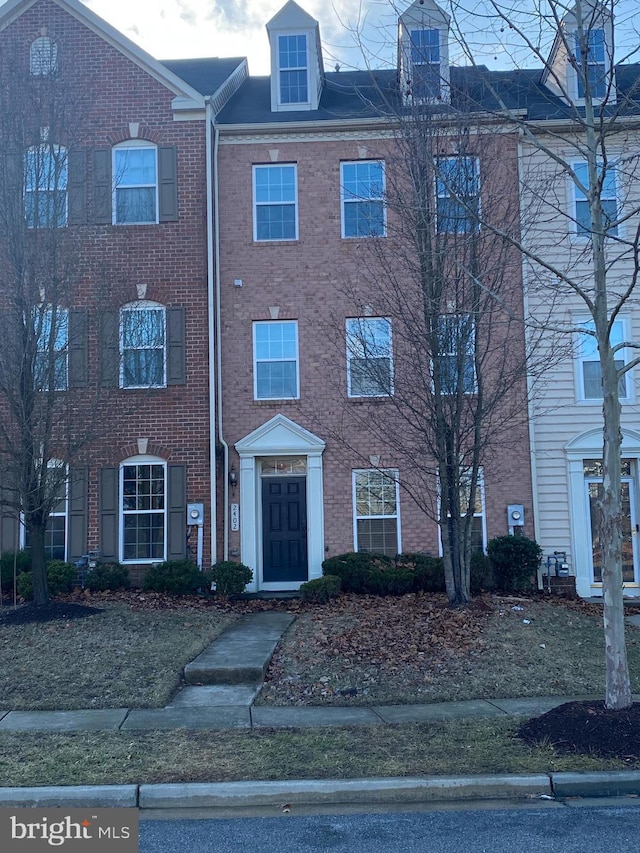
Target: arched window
[[143, 490], [43, 57], [143, 345], [135, 183]]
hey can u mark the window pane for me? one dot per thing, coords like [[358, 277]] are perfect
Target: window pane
[[379, 536], [135, 167], [276, 380], [276, 222], [135, 177], [136, 205]]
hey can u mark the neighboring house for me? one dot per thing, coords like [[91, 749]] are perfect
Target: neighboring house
[[302, 159], [135, 335], [566, 426]]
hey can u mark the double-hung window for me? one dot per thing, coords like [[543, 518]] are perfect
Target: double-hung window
[[595, 63], [275, 208], [456, 354], [458, 194], [478, 523], [363, 210], [55, 534], [51, 364], [142, 346], [425, 64], [369, 357], [135, 184], [293, 69], [46, 176], [376, 511], [608, 199], [275, 360], [588, 369], [143, 507]]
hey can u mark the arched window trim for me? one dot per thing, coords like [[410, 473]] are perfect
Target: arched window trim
[[43, 57]]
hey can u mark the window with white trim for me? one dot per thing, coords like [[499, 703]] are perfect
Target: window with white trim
[[608, 199], [143, 345], [376, 511], [275, 207], [51, 365], [456, 353], [457, 195], [275, 360], [425, 64], [45, 190], [596, 71], [55, 534], [135, 183], [588, 369], [143, 489], [43, 57], [362, 191], [479, 522], [369, 357], [293, 69]]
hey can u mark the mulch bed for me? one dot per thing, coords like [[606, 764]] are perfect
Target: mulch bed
[[54, 611], [587, 727]]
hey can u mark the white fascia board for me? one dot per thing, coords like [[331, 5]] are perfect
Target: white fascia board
[[12, 9]]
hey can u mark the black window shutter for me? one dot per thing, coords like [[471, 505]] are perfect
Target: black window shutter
[[177, 508], [77, 187], [109, 349], [78, 367], [168, 183], [109, 514], [77, 545], [176, 371], [102, 188], [9, 527]]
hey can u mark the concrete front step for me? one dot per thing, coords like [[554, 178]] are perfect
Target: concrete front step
[[202, 696], [241, 654]]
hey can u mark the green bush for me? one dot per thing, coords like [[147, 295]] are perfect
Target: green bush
[[179, 577], [515, 561], [354, 569], [320, 590], [107, 576], [390, 580], [22, 561], [230, 578], [60, 578], [428, 571], [482, 578]]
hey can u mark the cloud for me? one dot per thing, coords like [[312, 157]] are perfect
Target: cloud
[[238, 15], [187, 13]]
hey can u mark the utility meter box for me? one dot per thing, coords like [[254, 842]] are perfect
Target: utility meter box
[[515, 515], [195, 515]]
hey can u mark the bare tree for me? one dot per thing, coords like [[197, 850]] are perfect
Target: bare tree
[[42, 423], [577, 116]]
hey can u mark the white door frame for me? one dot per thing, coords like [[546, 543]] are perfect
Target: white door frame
[[279, 436], [589, 446]]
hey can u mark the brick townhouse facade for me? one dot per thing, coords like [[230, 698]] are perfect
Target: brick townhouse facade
[[206, 207]]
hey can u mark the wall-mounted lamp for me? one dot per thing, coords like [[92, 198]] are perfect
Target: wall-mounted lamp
[[233, 477]]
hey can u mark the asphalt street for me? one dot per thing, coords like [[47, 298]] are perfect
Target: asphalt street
[[561, 829]]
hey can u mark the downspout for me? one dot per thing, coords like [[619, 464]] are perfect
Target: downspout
[[216, 325], [212, 242], [530, 415]]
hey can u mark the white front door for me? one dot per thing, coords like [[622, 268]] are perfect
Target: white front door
[[630, 524]]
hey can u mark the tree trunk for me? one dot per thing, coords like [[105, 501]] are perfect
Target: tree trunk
[[38, 566]]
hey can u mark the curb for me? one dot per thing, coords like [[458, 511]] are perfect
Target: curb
[[332, 792]]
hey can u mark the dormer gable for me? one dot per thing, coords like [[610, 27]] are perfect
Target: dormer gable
[[423, 53], [297, 72], [581, 57]]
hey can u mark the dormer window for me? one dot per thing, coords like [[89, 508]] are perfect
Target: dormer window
[[43, 57], [425, 62], [595, 63], [293, 69]]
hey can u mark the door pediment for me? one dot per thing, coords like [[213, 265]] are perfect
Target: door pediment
[[280, 436]]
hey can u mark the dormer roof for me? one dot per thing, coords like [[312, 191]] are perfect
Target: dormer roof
[[423, 53], [297, 70]]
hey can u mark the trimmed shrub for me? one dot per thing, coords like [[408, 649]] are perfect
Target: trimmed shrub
[[179, 577], [481, 573], [320, 590], [22, 561], [354, 569], [390, 580], [230, 578], [106, 576], [60, 578], [515, 561], [428, 572]]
